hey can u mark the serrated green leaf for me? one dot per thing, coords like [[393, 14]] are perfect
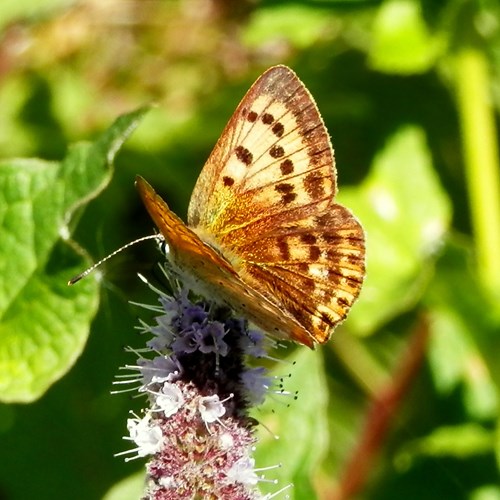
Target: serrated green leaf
[[302, 427], [405, 214], [44, 323]]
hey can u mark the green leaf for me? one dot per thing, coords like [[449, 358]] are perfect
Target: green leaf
[[301, 25], [44, 323], [301, 426], [10, 11], [14, 135], [491, 492], [461, 441], [130, 488], [405, 214], [455, 359], [497, 443], [463, 347], [401, 41]]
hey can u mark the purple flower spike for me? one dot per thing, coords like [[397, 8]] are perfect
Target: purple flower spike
[[196, 431]]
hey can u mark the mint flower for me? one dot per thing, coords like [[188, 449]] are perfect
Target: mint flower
[[200, 386]]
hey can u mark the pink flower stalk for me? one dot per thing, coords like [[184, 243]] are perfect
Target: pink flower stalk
[[196, 430]]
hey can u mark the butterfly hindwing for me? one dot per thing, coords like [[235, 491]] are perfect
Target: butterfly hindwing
[[313, 266]]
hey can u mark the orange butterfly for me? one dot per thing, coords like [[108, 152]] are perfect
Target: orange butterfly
[[264, 234]]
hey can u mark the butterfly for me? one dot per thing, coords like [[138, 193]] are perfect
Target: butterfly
[[264, 233]]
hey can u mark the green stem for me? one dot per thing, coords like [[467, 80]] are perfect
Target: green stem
[[360, 363], [480, 147]]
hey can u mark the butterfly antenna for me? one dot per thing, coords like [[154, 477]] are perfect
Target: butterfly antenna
[[78, 277]]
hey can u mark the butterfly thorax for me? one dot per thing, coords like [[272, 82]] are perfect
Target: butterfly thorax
[[204, 265], [233, 260]]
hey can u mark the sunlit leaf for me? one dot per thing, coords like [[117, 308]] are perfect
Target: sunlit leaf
[[10, 11], [490, 492], [300, 25], [45, 323], [462, 345], [405, 214], [401, 41], [459, 441], [130, 488]]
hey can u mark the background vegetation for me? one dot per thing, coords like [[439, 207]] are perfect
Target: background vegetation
[[403, 402]]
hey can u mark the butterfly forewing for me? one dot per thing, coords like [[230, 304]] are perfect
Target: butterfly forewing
[[265, 235], [273, 155]]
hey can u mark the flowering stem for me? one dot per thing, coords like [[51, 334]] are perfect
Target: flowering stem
[[199, 386]]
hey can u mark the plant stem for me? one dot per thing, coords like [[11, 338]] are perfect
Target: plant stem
[[360, 363], [482, 167], [385, 404]]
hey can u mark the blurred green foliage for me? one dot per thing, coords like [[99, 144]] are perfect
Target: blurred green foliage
[[403, 402]]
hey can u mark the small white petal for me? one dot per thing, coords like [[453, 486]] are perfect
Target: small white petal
[[211, 408], [169, 399], [243, 472], [167, 482], [226, 441], [146, 435]]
